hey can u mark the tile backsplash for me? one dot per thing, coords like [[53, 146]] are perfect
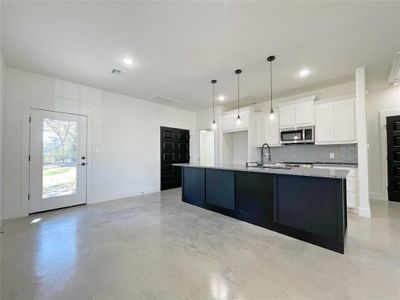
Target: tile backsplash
[[315, 153]]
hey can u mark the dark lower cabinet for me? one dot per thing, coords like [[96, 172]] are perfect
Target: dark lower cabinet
[[309, 204], [193, 186], [220, 188], [254, 197], [312, 209]]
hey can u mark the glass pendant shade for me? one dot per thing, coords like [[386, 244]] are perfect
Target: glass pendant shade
[[238, 120], [213, 125]]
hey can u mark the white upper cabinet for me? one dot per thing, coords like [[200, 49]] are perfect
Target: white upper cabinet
[[295, 114], [324, 123], [345, 129], [229, 124], [260, 119], [267, 131], [272, 131], [288, 115], [305, 113], [335, 122]]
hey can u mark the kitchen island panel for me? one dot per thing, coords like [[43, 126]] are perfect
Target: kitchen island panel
[[220, 187], [254, 197], [193, 186]]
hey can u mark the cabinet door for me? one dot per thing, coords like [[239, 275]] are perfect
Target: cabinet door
[[244, 121], [220, 188], [254, 197], [260, 129], [227, 122], [305, 113], [324, 123], [272, 131], [287, 115], [345, 121]]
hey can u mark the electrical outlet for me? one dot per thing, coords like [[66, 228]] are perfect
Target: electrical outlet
[[331, 155]]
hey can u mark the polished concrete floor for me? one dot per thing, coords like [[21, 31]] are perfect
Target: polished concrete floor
[[156, 247]]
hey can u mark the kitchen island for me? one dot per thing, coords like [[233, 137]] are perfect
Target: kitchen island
[[304, 203]]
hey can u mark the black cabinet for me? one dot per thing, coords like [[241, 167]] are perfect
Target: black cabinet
[[220, 188], [193, 190], [254, 197], [312, 209], [310, 204]]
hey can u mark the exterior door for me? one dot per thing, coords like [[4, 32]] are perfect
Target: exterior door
[[174, 149], [393, 157], [57, 160]]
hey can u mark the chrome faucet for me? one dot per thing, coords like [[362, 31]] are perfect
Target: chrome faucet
[[262, 154]]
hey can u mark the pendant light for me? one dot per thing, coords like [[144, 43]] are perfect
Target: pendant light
[[213, 125], [237, 72], [270, 59]]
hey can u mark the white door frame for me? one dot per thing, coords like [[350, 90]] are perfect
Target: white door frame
[[36, 201], [383, 140], [73, 108]]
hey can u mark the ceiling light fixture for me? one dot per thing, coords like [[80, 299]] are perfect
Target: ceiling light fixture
[[238, 72], [270, 59], [396, 83], [221, 98], [304, 73], [128, 61], [213, 125]]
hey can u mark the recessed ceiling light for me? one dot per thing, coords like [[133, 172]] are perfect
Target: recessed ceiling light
[[304, 73], [221, 97], [128, 61], [396, 83]]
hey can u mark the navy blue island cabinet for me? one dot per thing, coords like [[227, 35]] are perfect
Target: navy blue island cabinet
[[309, 208]]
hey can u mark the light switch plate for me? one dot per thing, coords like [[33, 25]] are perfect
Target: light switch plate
[[331, 155]]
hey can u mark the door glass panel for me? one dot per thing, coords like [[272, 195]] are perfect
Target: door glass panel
[[60, 153]]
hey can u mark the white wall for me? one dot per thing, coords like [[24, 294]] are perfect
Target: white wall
[[378, 101], [2, 115], [123, 136]]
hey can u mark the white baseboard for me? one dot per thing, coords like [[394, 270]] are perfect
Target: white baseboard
[[364, 212], [377, 196], [126, 194], [96, 199], [14, 214]]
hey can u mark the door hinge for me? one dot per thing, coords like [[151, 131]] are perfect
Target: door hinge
[[29, 196], [30, 119], [29, 158]]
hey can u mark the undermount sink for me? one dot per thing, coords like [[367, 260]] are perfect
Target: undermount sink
[[273, 166]]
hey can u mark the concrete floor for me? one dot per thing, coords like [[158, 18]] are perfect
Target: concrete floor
[[156, 247]]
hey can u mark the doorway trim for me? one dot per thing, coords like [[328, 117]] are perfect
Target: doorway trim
[[383, 149], [73, 108]]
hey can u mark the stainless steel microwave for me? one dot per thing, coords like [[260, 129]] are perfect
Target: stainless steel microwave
[[300, 135]]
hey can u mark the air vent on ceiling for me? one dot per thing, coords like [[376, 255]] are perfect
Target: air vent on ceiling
[[394, 75], [117, 71], [163, 98]]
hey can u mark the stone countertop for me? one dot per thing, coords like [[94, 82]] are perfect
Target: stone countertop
[[309, 172], [336, 165]]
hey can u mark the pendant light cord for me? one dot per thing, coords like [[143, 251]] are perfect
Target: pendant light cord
[[270, 81], [238, 92], [213, 102]]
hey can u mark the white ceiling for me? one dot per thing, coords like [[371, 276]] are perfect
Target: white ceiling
[[178, 47]]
